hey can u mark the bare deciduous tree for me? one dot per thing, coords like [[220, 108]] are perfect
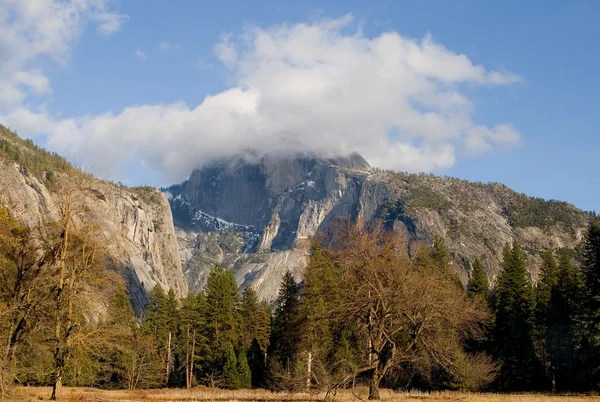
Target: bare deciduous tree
[[78, 252], [408, 312]]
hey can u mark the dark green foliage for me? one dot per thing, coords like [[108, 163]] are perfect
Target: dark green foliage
[[37, 160], [223, 320], [439, 256], [257, 363], [156, 315], [284, 333], [514, 324], [256, 318], [231, 377], [172, 308], [424, 197], [321, 334], [558, 309], [244, 374], [591, 312], [478, 285], [563, 328], [541, 213], [591, 269]]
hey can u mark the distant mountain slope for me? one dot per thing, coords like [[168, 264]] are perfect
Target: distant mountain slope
[[137, 222], [255, 217]]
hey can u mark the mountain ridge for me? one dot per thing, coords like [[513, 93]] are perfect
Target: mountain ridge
[[255, 217], [301, 197]]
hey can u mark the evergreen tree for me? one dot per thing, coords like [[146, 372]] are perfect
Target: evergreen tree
[[439, 252], [478, 283], [231, 378], [514, 323], [591, 313], [256, 319], [547, 283], [319, 330], [172, 353], [156, 316], [257, 327], [562, 328], [172, 311], [244, 374], [257, 363], [439, 255], [201, 340], [591, 268], [284, 334], [191, 321], [223, 319]]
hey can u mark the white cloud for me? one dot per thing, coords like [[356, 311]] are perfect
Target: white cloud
[[140, 55], [32, 30], [318, 87], [166, 45], [109, 23]]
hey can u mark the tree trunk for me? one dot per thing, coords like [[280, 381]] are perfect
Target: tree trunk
[[168, 359], [7, 351], [57, 384], [374, 384], [187, 357], [59, 317], [308, 369], [192, 357]]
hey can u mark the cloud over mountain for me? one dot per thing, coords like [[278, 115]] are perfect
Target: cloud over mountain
[[321, 87]]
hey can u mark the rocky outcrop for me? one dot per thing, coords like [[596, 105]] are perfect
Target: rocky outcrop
[[136, 223], [255, 218]]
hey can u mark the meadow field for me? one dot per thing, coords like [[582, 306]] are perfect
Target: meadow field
[[209, 394]]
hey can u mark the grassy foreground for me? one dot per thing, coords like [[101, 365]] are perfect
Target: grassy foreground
[[208, 394]]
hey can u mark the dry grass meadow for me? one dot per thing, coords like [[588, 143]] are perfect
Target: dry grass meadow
[[207, 394]]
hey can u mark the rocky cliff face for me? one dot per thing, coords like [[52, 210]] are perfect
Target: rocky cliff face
[[137, 223], [255, 218]]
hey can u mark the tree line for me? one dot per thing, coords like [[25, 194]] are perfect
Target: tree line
[[364, 312]]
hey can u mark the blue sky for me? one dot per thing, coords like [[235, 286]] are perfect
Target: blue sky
[[120, 88]]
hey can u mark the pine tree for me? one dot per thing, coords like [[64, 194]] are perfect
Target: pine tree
[[191, 320], [439, 255], [257, 327], [591, 265], [548, 281], [514, 322], [157, 323], [439, 252], [257, 363], [231, 378], [562, 325], [156, 319], [478, 283], [284, 334], [256, 319], [543, 291], [319, 296], [244, 374], [172, 309], [223, 319], [591, 314]]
